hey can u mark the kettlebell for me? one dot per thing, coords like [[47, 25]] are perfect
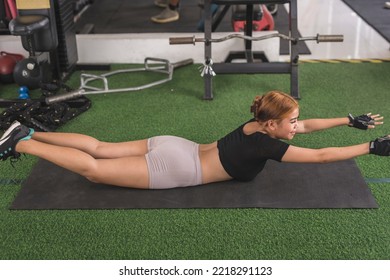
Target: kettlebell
[[29, 73]]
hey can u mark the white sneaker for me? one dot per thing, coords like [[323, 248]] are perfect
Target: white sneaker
[[167, 15], [387, 5]]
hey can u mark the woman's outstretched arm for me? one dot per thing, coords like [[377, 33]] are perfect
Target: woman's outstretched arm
[[367, 121], [379, 146], [324, 155]]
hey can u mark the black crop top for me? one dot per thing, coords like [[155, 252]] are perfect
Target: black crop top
[[244, 156]]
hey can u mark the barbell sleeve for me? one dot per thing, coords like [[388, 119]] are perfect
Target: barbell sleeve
[[329, 38], [182, 40], [64, 96]]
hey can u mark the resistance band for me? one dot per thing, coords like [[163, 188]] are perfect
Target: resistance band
[[8, 181], [377, 180]]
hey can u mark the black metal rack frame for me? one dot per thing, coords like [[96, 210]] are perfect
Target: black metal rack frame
[[251, 67]]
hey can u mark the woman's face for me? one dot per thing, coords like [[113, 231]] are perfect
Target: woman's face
[[287, 128]]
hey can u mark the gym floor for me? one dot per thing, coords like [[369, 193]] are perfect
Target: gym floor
[[221, 234]]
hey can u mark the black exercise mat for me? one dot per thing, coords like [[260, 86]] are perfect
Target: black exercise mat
[[123, 16], [374, 13], [334, 185]]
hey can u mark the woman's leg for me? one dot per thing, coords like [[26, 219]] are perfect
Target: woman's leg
[[92, 146], [124, 171]]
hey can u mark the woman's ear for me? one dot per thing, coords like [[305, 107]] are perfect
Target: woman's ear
[[271, 124]]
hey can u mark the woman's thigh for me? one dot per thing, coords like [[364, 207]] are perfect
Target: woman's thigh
[[123, 172], [121, 149]]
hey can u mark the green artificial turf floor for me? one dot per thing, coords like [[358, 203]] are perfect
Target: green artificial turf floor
[[177, 108]]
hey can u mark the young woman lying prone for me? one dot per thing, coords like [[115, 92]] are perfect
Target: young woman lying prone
[[168, 161]]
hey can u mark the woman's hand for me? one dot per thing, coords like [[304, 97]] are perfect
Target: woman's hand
[[365, 121], [380, 146]]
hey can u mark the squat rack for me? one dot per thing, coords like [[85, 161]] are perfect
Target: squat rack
[[251, 67]]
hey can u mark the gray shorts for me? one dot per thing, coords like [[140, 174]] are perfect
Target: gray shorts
[[173, 162]]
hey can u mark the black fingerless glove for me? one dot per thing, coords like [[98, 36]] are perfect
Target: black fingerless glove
[[360, 122], [380, 146]]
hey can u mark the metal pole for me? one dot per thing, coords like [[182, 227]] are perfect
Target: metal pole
[[294, 59], [208, 85]]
